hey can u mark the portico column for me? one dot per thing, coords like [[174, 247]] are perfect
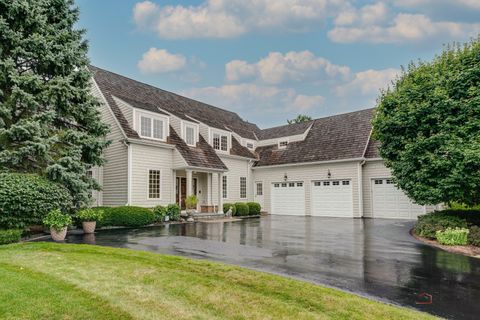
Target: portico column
[[174, 189], [188, 173], [220, 193], [209, 189]]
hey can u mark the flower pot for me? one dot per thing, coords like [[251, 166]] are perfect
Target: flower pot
[[167, 218], [89, 226], [58, 235]]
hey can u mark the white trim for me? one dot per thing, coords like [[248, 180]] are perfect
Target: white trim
[[233, 156], [151, 142], [152, 116], [129, 174], [195, 126], [225, 190], [160, 184], [368, 142], [201, 169], [360, 188], [374, 159], [307, 163], [240, 188], [220, 132]]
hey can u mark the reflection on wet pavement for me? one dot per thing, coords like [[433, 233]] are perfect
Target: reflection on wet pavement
[[376, 258]]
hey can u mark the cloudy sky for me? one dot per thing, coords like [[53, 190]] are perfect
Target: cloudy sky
[[269, 60]]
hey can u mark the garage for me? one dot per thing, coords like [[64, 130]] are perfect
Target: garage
[[288, 198], [332, 198], [391, 202]]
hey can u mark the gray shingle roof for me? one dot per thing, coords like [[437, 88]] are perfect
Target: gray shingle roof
[[283, 131], [332, 138], [373, 149]]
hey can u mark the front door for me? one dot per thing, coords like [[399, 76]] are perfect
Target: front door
[[258, 193], [181, 191]]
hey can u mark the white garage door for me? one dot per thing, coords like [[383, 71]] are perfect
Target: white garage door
[[332, 198], [288, 198], [391, 202]]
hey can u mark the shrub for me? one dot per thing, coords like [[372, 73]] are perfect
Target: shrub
[[90, 215], [428, 225], [57, 220], [254, 208], [453, 237], [191, 202], [241, 209], [173, 211], [160, 213], [127, 216], [227, 206], [10, 236], [474, 236], [25, 199]]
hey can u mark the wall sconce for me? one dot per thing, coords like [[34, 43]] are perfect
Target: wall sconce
[[329, 174], [285, 177]]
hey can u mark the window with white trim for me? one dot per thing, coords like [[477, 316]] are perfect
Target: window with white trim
[[154, 177], [243, 187], [152, 127], [224, 186], [283, 144], [259, 189], [220, 141], [378, 181], [190, 135], [250, 145], [346, 182]]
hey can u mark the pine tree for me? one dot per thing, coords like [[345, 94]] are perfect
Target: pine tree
[[49, 120]]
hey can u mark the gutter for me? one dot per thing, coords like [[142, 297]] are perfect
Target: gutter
[[129, 171], [360, 188], [308, 163]]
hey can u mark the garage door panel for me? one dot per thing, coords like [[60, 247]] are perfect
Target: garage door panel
[[288, 198], [332, 198], [391, 202]]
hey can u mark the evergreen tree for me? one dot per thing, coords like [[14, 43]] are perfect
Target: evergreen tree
[[49, 120]]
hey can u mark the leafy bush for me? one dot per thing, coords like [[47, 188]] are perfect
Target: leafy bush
[[474, 236], [90, 215], [25, 199], [173, 211], [241, 209], [127, 216], [428, 225], [227, 206], [160, 213], [462, 207], [191, 202], [10, 236], [453, 237], [254, 208], [57, 220]]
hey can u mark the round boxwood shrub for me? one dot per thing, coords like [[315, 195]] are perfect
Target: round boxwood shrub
[[241, 209], [227, 206], [127, 216], [173, 211], [25, 199], [254, 208], [160, 213], [10, 236]]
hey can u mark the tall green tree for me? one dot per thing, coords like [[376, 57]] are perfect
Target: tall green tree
[[49, 120], [300, 118], [428, 124]]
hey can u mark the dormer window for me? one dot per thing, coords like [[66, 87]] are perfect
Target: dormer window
[[250, 145], [152, 126], [190, 134], [282, 144], [220, 141]]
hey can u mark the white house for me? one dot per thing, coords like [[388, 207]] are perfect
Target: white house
[[166, 147]]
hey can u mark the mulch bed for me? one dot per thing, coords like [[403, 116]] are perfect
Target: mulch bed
[[471, 251]]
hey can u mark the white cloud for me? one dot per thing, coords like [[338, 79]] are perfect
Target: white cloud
[[367, 15], [161, 61], [257, 99], [472, 4], [231, 18], [404, 28], [293, 66], [367, 83]]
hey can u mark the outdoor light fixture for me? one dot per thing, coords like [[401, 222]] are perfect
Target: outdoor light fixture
[[329, 174], [285, 177]]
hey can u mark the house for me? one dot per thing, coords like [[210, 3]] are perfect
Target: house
[[166, 147]]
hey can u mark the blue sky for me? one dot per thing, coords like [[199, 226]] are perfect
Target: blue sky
[[269, 60]]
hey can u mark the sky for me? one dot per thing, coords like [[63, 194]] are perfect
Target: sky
[[270, 60]]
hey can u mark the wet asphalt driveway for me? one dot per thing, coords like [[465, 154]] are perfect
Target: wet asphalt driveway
[[376, 258]]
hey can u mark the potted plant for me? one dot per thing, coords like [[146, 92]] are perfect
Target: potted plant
[[89, 218], [191, 203], [58, 223]]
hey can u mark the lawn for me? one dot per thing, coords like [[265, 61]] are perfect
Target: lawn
[[60, 281]]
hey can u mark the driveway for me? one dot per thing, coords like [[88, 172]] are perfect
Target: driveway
[[372, 257]]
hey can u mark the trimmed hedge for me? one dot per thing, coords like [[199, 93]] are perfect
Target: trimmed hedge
[[427, 225], [474, 236], [254, 208], [126, 216], [241, 209], [10, 236], [25, 199], [227, 206]]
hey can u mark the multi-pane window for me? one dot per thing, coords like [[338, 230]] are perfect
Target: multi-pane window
[[326, 183], [216, 141], [299, 184], [224, 186], [336, 183], [345, 182], [220, 142], [378, 181], [224, 143], [146, 126], [243, 187], [154, 184], [151, 127], [190, 135], [283, 144], [259, 189], [157, 129], [250, 145]]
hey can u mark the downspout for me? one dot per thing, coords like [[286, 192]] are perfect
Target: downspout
[[129, 172], [360, 187]]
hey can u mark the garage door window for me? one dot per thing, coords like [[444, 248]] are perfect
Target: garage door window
[[276, 185], [346, 183], [389, 181], [300, 184], [284, 185], [378, 181], [336, 183], [326, 183]]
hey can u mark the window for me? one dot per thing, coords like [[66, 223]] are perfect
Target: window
[[224, 186], [346, 183], [326, 183], [378, 181], [284, 185], [291, 184], [336, 183], [276, 185], [154, 184], [299, 184], [389, 181], [282, 144], [250, 145], [243, 187], [152, 127], [220, 141], [216, 141], [317, 184], [259, 189], [190, 135]]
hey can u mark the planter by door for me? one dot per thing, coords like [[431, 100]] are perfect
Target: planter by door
[[58, 235], [89, 226]]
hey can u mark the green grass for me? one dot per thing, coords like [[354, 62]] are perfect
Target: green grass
[[59, 281]]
